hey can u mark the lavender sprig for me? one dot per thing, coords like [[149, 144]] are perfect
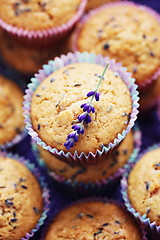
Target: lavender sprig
[[84, 118]]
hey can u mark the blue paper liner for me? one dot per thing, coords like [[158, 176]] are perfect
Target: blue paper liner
[[99, 187], [91, 199], [59, 63], [153, 229], [44, 187]]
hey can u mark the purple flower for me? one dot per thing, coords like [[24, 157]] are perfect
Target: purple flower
[[69, 143], [88, 107], [91, 93], [97, 96], [87, 119], [81, 117], [96, 93], [73, 135], [79, 128]]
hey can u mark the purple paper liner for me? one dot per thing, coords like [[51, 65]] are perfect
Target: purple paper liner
[[39, 38], [17, 139], [153, 229], [44, 187], [86, 17], [99, 187], [59, 63], [91, 199]]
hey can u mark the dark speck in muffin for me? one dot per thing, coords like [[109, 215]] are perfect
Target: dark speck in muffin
[[106, 46], [24, 187], [125, 152], [80, 215], [52, 80], [148, 210], [18, 130], [155, 39], [35, 210], [144, 36], [38, 95], [96, 233], [104, 172], [13, 220], [38, 127], [90, 216], [117, 222], [9, 202], [1, 126], [77, 85], [135, 70], [152, 54], [105, 224], [147, 185], [116, 232]]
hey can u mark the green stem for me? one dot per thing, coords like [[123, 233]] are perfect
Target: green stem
[[99, 82]]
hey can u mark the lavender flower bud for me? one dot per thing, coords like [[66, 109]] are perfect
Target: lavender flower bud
[[91, 93], [87, 119], [97, 96], [81, 117]]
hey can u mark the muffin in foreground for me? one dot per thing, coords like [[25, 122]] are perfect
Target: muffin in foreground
[[124, 31], [21, 199], [91, 4], [144, 185], [93, 220], [56, 105], [11, 113], [78, 106]]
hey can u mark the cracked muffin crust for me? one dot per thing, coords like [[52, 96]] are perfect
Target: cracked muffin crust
[[127, 33], [37, 14], [144, 185], [56, 104], [93, 220], [91, 172], [21, 202], [11, 114]]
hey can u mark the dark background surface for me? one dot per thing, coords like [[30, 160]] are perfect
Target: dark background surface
[[148, 123]]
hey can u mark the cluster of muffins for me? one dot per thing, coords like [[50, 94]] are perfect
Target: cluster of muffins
[[81, 118]]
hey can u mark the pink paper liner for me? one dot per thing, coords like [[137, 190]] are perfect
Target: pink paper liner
[[83, 188], [86, 17], [17, 139], [94, 199], [59, 63], [44, 188], [39, 38], [153, 229]]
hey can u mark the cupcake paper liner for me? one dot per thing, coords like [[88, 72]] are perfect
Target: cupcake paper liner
[[17, 139], [90, 199], [153, 229], [99, 187], [44, 187], [59, 63], [93, 12], [39, 38]]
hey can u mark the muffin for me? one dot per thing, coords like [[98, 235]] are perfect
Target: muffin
[[90, 172], [126, 32], [11, 118], [96, 3], [21, 202], [149, 97], [40, 22], [93, 220], [56, 105], [25, 59], [143, 185]]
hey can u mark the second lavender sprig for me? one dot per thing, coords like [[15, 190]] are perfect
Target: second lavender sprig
[[84, 118]]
